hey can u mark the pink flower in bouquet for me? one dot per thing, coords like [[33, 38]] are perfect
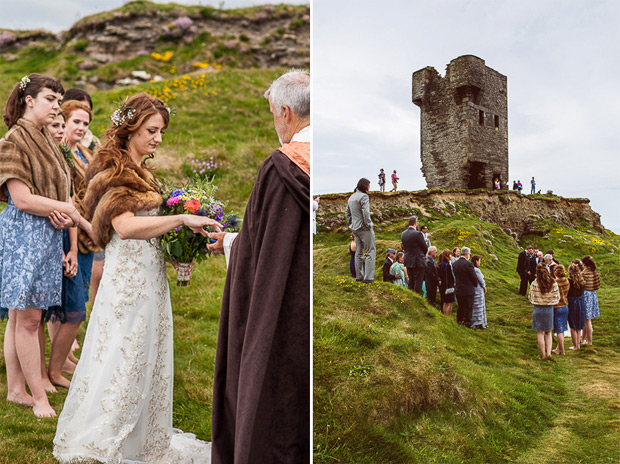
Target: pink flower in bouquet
[[192, 206], [173, 201]]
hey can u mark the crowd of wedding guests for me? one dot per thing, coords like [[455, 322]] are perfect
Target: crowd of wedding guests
[[561, 299], [43, 192], [455, 275]]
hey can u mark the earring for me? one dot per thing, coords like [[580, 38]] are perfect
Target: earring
[[128, 138]]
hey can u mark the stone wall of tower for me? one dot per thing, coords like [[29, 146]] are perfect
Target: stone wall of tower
[[464, 126]]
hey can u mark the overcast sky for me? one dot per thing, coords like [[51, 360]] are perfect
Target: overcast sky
[[561, 58], [59, 15]]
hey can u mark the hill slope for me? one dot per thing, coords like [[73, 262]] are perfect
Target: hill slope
[[397, 381]]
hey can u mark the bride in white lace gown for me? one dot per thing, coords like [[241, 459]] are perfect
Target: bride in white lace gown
[[119, 405]]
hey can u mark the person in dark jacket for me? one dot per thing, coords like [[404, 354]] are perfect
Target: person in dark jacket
[[524, 268], [389, 260], [431, 275], [446, 282], [466, 283], [261, 384], [415, 255]]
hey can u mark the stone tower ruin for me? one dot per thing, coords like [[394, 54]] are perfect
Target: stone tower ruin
[[464, 125]]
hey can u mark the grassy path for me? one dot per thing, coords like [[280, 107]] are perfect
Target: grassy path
[[592, 398]]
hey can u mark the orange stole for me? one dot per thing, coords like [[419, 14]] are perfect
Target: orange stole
[[298, 153]]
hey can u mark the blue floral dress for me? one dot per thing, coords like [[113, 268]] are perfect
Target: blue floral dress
[[30, 261]]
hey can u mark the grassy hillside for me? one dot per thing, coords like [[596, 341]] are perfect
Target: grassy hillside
[[397, 381], [220, 112]]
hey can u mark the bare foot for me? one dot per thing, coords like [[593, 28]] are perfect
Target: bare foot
[[60, 381], [47, 385], [43, 410], [22, 398], [556, 351], [68, 367]]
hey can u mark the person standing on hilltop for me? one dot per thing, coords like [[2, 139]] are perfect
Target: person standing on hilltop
[[415, 255], [358, 218], [394, 181], [533, 182], [382, 180]]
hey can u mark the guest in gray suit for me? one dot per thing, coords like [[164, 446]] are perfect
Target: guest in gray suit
[[358, 217], [415, 255]]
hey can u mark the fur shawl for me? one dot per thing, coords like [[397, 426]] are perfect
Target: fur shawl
[[110, 193], [31, 155], [78, 176]]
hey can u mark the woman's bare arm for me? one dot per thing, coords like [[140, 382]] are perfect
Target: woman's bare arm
[[130, 226], [37, 205]]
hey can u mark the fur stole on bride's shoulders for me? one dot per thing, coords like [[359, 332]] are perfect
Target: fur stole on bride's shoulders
[[113, 189]]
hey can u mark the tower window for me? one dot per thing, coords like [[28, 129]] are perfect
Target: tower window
[[496, 119], [481, 118]]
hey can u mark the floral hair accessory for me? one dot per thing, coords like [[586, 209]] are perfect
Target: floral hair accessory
[[171, 111], [123, 113], [23, 83]]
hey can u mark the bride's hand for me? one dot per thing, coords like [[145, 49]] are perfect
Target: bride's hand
[[196, 223]]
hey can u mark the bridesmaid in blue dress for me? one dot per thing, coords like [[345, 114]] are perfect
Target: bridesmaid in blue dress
[[67, 317], [35, 183]]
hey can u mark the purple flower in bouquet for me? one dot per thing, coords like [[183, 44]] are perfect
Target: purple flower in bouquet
[[173, 201]]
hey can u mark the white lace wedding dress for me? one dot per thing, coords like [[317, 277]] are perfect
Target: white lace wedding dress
[[119, 406]]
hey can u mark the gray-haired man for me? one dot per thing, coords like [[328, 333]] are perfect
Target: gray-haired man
[[465, 285], [261, 385]]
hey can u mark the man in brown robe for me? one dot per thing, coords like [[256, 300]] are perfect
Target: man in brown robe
[[261, 387]]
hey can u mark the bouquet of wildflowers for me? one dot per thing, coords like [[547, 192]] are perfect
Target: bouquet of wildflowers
[[182, 245]]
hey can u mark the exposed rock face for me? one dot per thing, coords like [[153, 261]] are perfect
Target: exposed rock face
[[264, 39], [464, 125], [508, 209]]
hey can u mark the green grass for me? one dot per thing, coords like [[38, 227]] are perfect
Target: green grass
[[397, 381], [27, 440]]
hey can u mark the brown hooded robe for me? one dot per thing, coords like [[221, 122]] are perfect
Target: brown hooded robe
[[261, 397]]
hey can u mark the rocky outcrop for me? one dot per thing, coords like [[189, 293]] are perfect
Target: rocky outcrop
[[264, 37], [517, 214]]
